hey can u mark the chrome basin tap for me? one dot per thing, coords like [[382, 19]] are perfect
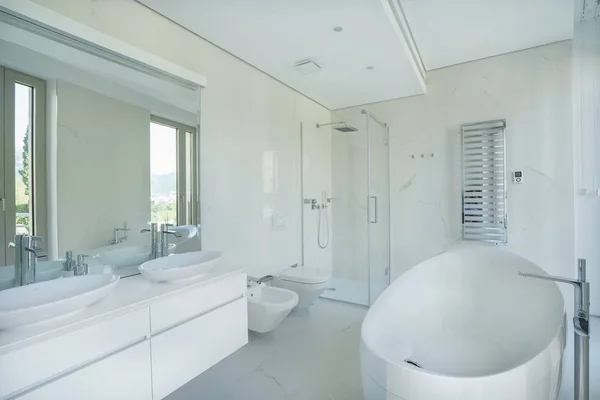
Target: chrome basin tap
[[117, 238], [153, 239], [81, 268], [581, 326], [164, 238], [26, 254]]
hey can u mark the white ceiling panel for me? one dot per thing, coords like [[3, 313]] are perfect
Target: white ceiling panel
[[450, 32], [273, 35]]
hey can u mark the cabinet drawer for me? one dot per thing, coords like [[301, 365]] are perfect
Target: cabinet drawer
[[196, 301], [125, 375], [184, 352], [33, 365]]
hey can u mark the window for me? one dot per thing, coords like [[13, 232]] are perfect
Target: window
[[484, 181], [23, 148], [173, 169]]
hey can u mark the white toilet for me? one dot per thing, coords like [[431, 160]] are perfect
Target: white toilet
[[268, 306], [307, 282]]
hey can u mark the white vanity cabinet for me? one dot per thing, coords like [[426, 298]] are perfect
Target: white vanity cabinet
[[142, 342], [184, 352], [125, 375]]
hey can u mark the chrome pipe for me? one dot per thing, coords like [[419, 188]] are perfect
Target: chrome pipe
[[382, 124]]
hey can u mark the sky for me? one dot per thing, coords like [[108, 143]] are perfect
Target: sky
[[22, 117], [163, 149]]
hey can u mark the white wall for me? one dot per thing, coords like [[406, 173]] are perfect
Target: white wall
[[247, 117], [103, 167], [316, 165], [532, 91]]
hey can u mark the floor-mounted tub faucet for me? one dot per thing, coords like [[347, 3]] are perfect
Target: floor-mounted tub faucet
[[581, 324]]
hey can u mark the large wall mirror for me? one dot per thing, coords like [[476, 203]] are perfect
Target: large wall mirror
[[100, 146]]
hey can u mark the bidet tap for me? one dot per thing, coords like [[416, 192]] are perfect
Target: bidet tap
[[264, 279], [581, 326]]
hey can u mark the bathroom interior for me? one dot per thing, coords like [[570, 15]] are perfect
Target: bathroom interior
[[364, 199]]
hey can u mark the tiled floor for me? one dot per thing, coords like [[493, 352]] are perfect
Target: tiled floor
[[314, 355], [347, 290]]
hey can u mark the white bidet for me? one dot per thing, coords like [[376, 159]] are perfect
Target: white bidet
[[268, 306]]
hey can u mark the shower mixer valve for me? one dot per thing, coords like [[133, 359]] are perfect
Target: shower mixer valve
[[313, 204]]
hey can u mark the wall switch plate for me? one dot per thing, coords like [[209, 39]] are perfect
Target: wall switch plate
[[278, 222], [518, 177]]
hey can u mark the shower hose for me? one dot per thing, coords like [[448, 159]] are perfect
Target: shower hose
[[323, 243]]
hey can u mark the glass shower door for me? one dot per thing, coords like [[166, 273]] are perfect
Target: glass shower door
[[378, 208]]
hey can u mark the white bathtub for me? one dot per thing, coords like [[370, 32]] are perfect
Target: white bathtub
[[477, 329]]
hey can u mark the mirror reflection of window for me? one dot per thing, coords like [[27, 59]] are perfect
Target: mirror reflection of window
[[163, 173], [23, 187]]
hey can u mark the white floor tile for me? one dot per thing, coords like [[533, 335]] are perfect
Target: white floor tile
[[314, 355]]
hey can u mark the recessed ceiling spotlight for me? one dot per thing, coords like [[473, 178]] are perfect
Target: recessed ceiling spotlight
[[337, 29], [370, 67]]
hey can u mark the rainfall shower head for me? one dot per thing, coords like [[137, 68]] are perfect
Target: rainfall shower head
[[340, 126]]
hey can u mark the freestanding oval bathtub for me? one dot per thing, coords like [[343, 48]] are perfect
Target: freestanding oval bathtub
[[464, 326]]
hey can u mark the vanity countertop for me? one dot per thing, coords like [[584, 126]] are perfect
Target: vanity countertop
[[131, 293]]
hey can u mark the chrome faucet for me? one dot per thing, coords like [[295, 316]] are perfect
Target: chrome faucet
[[117, 238], [581, 325], [69, 263], [265, 278], [164, 238], [153, 239], [81, 268], [26, 254]]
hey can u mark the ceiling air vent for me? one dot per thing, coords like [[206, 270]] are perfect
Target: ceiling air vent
[[308, 66]]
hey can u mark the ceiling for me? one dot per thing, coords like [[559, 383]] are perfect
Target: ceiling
[[452, 32], [399, 40]]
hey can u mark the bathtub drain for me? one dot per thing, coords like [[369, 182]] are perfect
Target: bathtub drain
[[413, 363]]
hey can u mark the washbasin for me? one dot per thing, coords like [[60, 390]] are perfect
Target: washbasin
[[44, 271], [180, 266], [37, 302], [124, 255], [189, 240]]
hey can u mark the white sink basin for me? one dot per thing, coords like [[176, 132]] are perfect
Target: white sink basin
[[189, 240], [180, 266], [123, 255], [29, 304], [44, 271]]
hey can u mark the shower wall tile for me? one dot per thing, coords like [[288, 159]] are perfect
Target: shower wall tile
[[531, 89], [316, 162]]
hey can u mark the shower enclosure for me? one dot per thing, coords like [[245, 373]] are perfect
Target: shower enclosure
[[356, 207]]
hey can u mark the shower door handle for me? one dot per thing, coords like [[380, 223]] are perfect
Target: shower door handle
[[375, 211]]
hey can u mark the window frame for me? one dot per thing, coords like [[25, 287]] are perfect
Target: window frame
[[38, 189], [187, 213]]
